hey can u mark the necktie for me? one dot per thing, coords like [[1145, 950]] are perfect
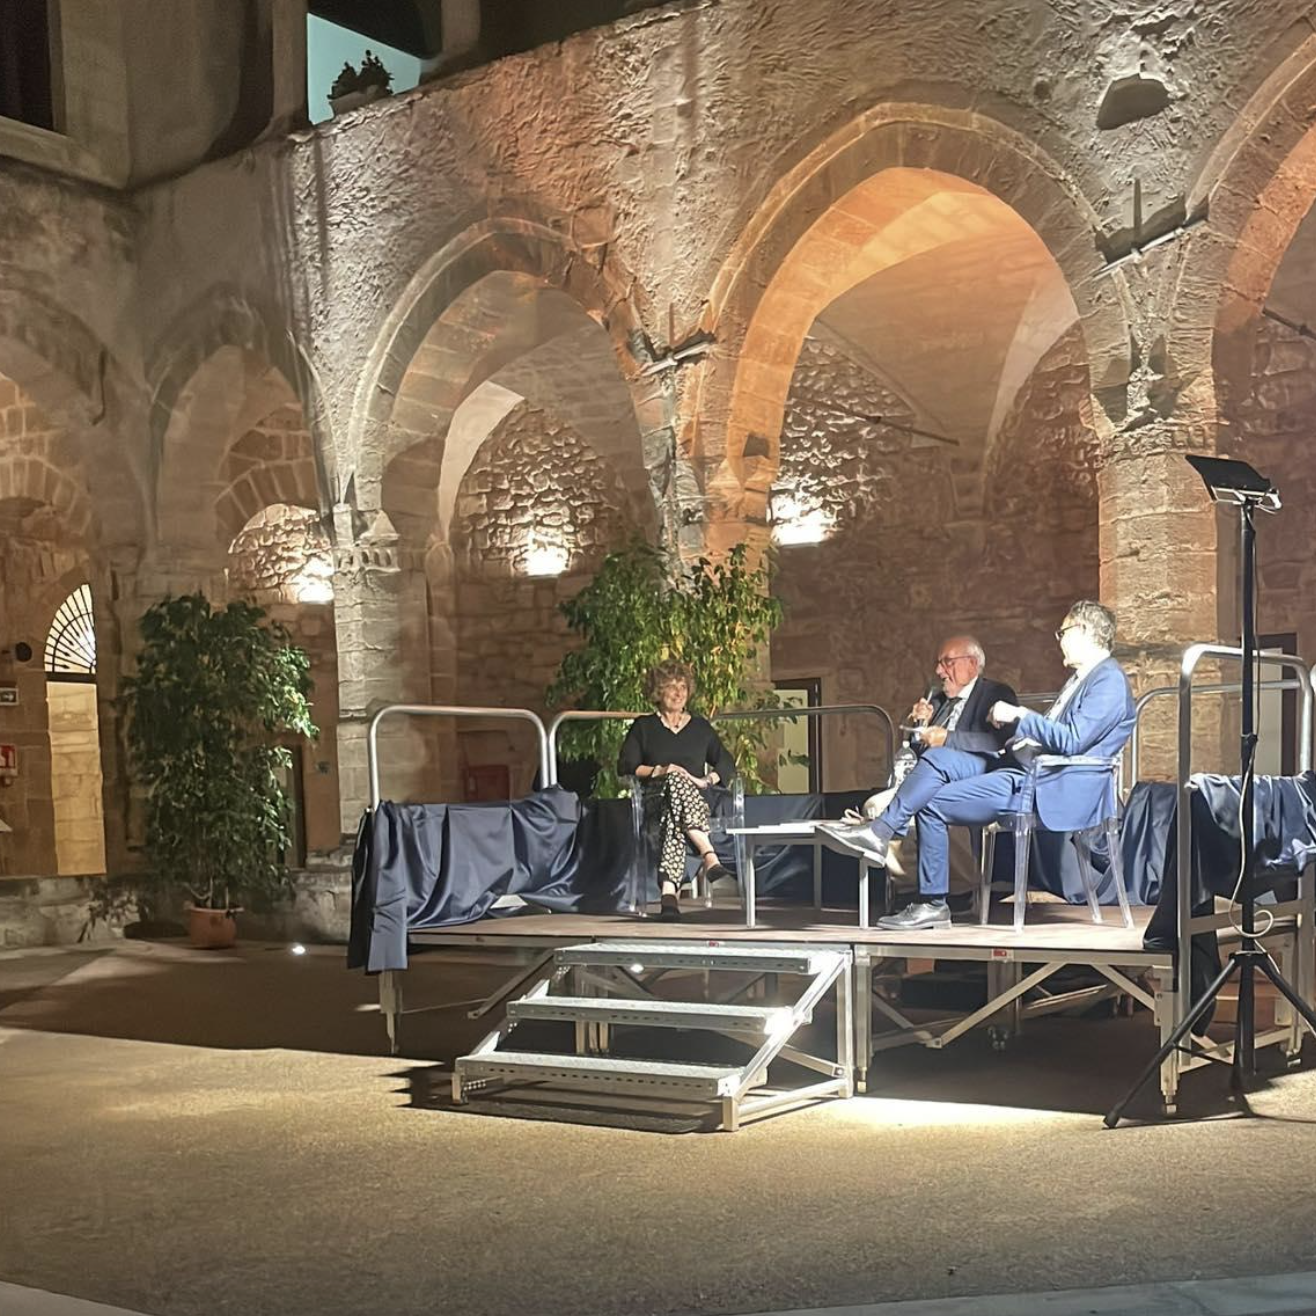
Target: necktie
[[944, 714]]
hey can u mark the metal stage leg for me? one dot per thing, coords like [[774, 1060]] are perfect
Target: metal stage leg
[[751, 896], [817, 874], [863, 971], [845, 1048], [390, 1006], [1167, 1020]]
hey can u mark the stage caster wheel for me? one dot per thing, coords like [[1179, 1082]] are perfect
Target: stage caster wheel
[[1171, 1109], [998, 1038]]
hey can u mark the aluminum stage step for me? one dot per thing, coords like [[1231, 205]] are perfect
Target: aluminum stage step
[[687, 955], [756, 1020], [659, 1078], [598, 985]]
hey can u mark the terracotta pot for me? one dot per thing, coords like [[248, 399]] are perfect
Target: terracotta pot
[[212, 929]]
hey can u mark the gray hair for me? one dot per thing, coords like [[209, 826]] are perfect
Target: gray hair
[[1096, 619], [972, 649]]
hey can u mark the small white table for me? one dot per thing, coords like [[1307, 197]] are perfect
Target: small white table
[[804, 831]]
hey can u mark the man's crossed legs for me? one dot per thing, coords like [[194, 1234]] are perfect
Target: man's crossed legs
[[946, 788]]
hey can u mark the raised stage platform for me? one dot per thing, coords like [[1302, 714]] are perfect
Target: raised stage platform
[[1018, 965]]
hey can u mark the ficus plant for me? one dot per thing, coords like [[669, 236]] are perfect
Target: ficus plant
[[214, 692], [644, 606]]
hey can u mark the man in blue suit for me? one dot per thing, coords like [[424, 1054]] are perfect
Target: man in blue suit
[[1093, 715]]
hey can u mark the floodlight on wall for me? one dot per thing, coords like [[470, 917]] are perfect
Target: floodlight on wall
[[545, 559], [796, 523], [314, 582]]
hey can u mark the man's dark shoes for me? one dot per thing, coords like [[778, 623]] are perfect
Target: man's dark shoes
[[669, 909], [858, 837], [926, 917]]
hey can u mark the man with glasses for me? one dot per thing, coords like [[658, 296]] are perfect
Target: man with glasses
[[1093, 715], [956, 741]]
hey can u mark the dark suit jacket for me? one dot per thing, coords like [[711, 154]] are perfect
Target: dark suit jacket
[[973, 734]]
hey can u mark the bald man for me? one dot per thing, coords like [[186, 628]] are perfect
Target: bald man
[[956, 743]]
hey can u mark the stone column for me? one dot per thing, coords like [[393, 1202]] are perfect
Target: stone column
[[1160, 561], [381, 623]]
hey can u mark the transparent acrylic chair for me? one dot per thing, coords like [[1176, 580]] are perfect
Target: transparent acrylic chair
[[1024, 822], [726, 807]]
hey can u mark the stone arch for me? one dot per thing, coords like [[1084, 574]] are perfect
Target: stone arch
[[79, 385], [519, 259], [1241, 307], [34, 481], [1256, 188], [228, 317], [57, 359], [745, 383], [272, 463], [237, 439]]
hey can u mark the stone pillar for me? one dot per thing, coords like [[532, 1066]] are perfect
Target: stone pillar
[[1160, 556], [380, 620], [441, 592]]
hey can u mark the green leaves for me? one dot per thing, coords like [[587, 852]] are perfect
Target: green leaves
[[643, 607], [213, 690]]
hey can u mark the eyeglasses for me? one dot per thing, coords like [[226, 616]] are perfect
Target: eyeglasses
[[1072, 626], [947, 659]]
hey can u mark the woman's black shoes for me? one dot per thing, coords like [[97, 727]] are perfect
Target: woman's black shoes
[[716, 874], [669, 909]]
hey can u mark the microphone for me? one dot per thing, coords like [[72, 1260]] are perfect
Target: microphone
[[934, 687]]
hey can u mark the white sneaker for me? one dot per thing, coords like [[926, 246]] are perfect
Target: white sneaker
[[858, 837]]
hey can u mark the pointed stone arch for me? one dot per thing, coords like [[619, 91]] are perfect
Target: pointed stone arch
[[402, 421], [229, 318], [737, 411]]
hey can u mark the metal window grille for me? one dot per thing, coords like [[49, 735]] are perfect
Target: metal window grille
[[71, 644]]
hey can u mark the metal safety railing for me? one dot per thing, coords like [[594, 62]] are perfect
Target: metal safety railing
[[738, 715], [449, 710], [577, 715], [1227, 688]]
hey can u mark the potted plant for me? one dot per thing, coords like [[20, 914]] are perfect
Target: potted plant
[[355, 87], [214, 692], [644, 606]]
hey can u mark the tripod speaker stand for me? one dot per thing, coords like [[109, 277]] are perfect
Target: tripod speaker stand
[[1236, 483]]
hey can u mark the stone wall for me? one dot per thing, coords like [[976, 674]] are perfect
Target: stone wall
[[43, 521], [283, 553], [916, 552], [535, 478], [1273, 427]]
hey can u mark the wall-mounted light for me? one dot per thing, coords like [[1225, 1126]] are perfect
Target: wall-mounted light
[[314, 582], [545, 559], [795, 523]]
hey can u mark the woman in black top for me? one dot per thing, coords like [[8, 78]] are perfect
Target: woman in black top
[[678, 753]]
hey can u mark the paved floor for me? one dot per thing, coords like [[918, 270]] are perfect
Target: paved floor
[[184, 1133]]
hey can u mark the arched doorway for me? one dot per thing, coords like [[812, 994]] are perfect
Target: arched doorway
[[75, 756]]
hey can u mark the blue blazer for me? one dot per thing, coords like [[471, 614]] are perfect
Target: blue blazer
[[1098, 720]]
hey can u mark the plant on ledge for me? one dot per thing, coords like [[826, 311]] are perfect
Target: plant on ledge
[[643, 607], [214, 691]]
